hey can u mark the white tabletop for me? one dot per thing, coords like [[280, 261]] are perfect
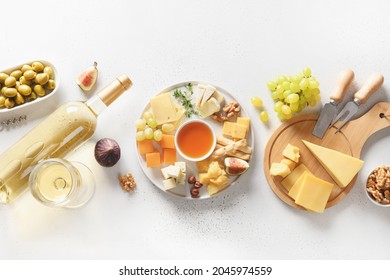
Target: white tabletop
[[238, 45]]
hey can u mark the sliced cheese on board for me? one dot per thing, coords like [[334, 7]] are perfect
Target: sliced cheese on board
[[341, 167], [290, 180], [163, 108], [297, 185], [313, 193]]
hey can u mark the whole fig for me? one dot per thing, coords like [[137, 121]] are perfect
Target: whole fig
[[107, 152]]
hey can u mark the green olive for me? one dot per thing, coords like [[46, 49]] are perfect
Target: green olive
[[29, 74], [3, 77], [9, 103], [37, 66], [42, 78], [25, 68], [17, 85], [19, 99], [23, 81], [24, 90], [3, 89], [10, 92], [31, 97], [39, 90], [49, 71], [16, 74], [50, 85], [10, 81], [2, 100]]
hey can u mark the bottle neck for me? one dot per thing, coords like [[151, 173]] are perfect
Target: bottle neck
[[96, 105]]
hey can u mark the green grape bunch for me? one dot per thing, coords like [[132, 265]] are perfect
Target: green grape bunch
[[293, 93]]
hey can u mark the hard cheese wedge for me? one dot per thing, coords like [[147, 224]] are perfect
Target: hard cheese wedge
[[313, 193], [341, 167], [163, 108]]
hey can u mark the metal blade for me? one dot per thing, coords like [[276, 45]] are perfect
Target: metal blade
[[348, 111], [327, 114]]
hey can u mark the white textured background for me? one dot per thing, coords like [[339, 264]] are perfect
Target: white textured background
[[238, 45]]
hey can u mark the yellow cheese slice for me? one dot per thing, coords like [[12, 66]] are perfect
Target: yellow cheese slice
[[341, 167], [297, 185], [314, 193], [163, 108], [290, 180]]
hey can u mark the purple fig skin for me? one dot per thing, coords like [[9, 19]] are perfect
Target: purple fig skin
[[107, 152]]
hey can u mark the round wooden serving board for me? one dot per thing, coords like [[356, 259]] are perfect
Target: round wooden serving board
[[349, 140]]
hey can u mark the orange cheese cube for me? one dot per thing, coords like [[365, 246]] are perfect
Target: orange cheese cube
[[153, 159], [145, 147], [169, 155], [167, 141]]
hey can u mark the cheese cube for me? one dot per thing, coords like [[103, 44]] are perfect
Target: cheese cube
[[228, 128], [145, 146], [291, 152], [220, 181], [314, 193], [169, 155], [244, 121], [163, 108], [279, 169], [204, 178], [164, 172], [182, 166], [173, 171], [290, 180], [239, 131], [153, 159], [167, 141], [181, 179], [291, 164], [169, 184]]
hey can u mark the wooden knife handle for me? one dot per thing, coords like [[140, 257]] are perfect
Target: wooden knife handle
[[343, 82], [373, 83]]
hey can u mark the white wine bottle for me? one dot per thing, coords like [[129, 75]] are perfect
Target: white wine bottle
[[61, 132]]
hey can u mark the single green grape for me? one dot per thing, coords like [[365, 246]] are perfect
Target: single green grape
[[292, 98], [274, 95], [280, 116], [280, 95], [271, 85], [280, 79], [307, 72], [304, 84], [286, 110], [315, 91], [279, 89], [288, 116], [286, 85], [256, 101], [286, 93], [140, 124], [157, 135], [278, 106], [147, 115], [148, 133], [307, 93], [264, 116], [167, 127], [313, 84], [152, 123], [140, 136], [294, 107], [294, 87]]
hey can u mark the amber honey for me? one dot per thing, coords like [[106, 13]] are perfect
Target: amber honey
[[195, 140]]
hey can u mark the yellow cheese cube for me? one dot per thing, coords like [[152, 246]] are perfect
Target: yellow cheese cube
[[204, 178], [291, 152], [314, 193], [279, 169], [220, 181], [228, 128], [341, 167], [290, 180], [214, 170], [163, 108], [212, 189], [244, 121], [291, 164], [239, 131]]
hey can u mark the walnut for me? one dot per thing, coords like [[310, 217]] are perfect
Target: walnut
[[127, 182], [232, 109], [219, 117], [378, 184]]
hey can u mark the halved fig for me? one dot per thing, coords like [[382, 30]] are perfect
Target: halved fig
[[87, 79], [235, 166]]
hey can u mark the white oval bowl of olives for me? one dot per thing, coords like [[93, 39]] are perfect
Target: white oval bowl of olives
[[25, 85]]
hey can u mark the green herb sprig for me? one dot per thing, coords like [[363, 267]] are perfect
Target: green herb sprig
[[184, 97]]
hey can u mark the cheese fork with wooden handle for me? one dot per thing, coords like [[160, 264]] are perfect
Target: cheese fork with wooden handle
[[330, 109], [373, 83]]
